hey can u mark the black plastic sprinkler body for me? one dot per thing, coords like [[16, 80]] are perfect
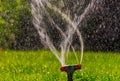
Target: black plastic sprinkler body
[[70, 70]]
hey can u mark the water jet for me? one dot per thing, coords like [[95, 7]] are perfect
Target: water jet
[[40, 10]]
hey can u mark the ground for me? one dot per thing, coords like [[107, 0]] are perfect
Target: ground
[[41, 65]]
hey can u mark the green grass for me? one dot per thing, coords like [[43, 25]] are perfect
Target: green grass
[[42, 65]]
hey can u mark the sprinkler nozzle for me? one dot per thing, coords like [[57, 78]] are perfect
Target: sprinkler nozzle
[[68, 67], [70, 70]]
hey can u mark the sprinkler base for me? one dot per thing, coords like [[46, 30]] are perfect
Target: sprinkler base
[[70, 70]]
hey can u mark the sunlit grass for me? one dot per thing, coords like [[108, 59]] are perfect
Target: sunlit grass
[[41, 65]]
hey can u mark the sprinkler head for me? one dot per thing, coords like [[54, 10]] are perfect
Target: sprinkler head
[[70, 70]]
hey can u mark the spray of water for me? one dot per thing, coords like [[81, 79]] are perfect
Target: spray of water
[[39, 9]]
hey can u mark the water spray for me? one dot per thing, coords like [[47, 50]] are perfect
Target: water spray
[[70, 69], [39, 10]]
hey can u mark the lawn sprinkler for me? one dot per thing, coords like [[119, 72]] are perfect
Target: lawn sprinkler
[[70, 70]]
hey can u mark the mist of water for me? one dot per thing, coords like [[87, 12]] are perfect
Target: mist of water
[[39, 10]]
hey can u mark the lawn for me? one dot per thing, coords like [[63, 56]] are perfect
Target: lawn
[[41, 65]]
